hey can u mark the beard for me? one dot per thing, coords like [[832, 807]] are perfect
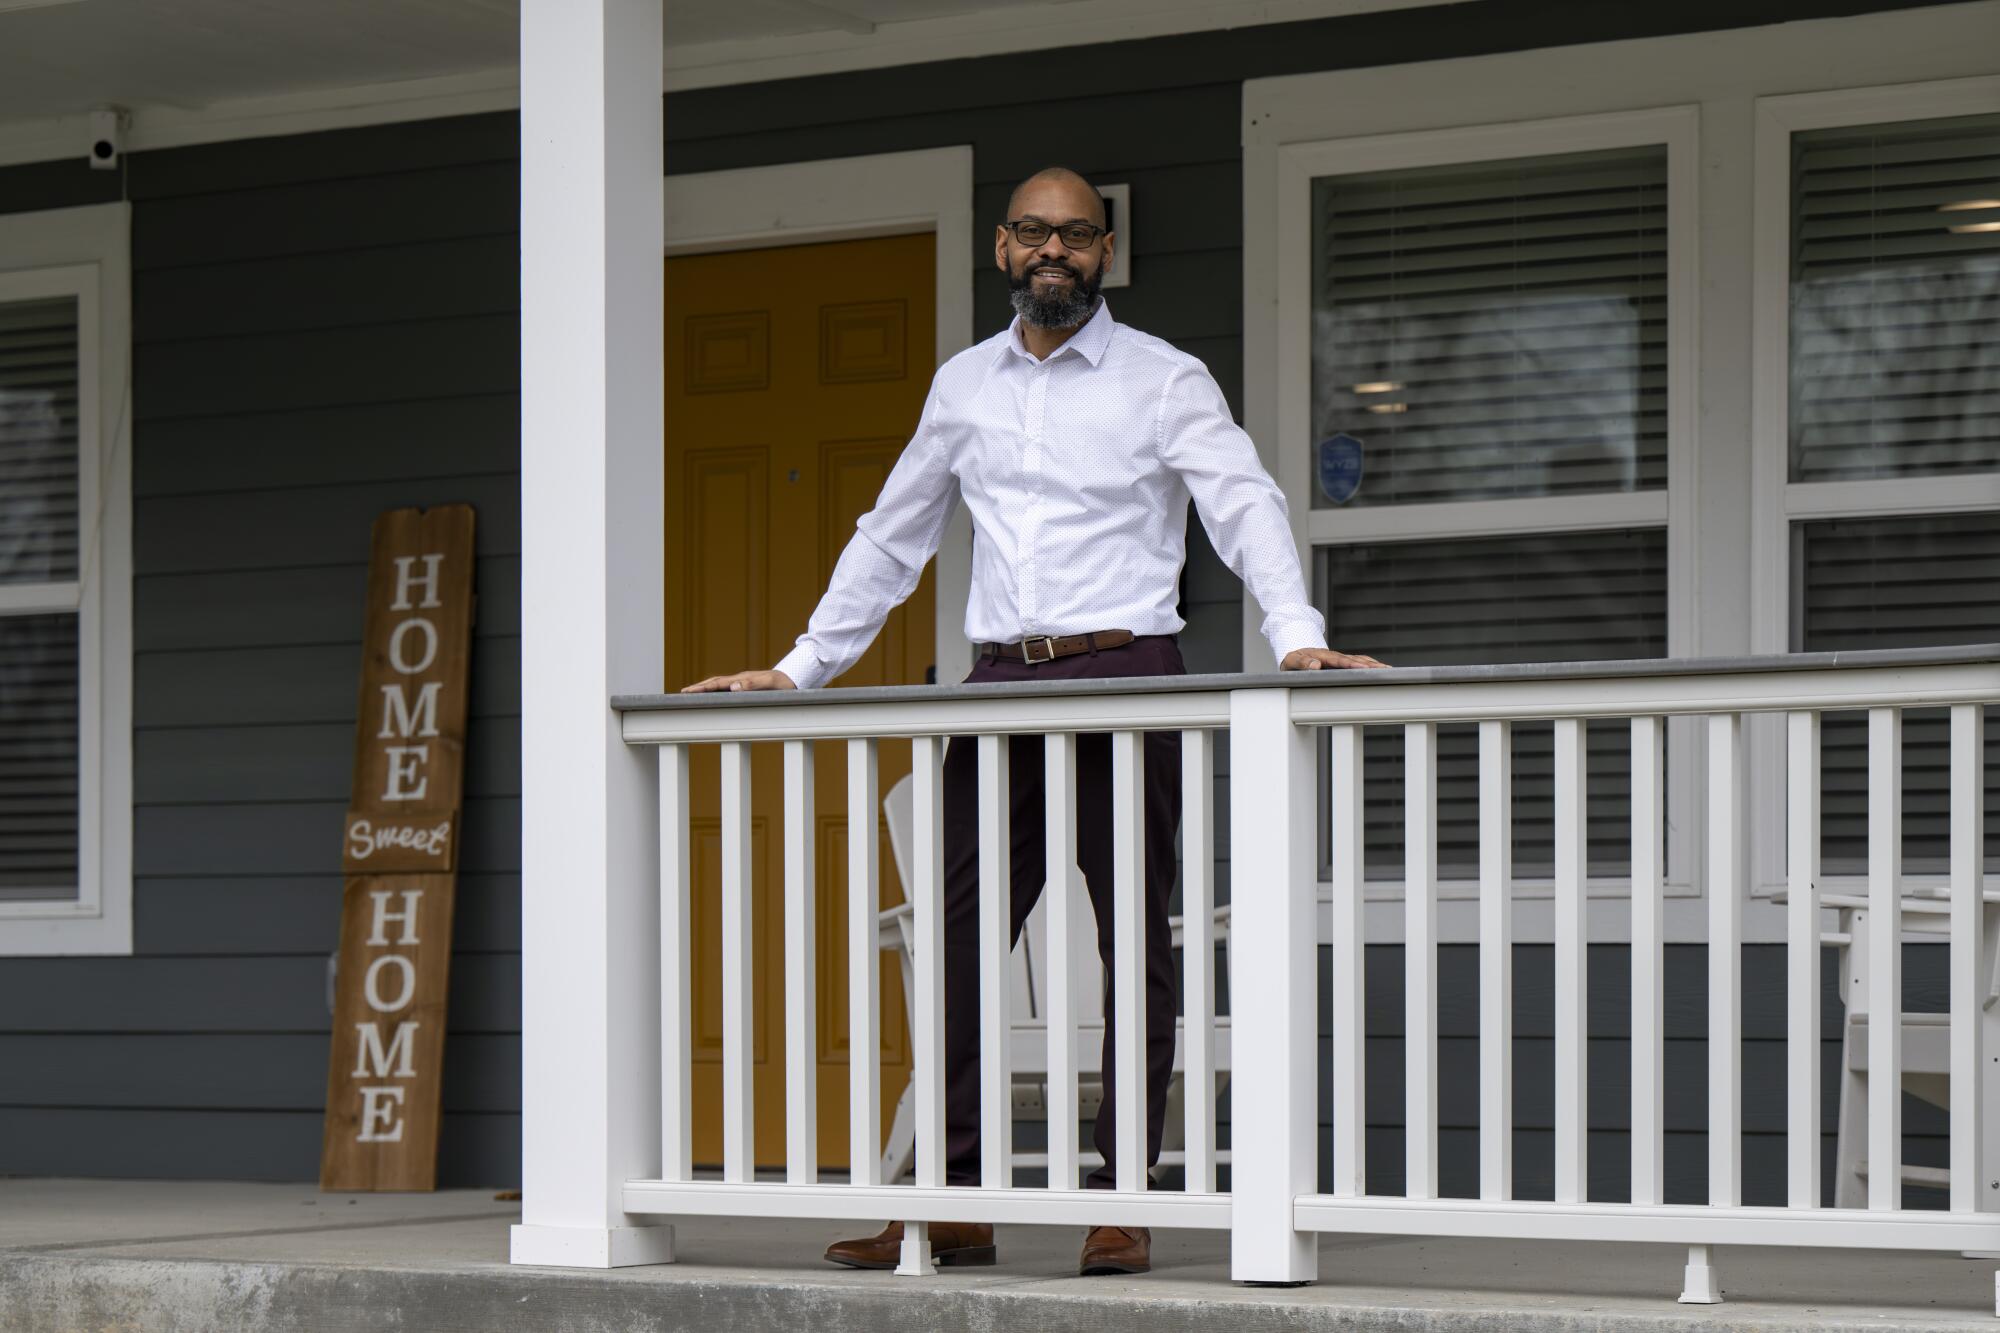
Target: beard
[[1055, 309]]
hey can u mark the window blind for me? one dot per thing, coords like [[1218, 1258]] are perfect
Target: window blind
[[1539, 598], [1897, 583], [38, 441], [1495, 330], [1895, 304], [39, 777], [38, 756]]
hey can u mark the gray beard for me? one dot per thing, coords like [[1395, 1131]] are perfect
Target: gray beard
[[1057, 310]]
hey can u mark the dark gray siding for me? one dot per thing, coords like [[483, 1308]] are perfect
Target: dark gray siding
[[326, 328]]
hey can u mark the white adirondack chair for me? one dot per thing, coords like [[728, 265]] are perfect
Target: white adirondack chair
[[1926, 1040], [1028, 1048]]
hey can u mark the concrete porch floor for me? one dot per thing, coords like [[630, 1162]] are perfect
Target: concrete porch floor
[[207, 1257]]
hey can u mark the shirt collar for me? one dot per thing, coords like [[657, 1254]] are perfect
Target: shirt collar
[[1089, 342]]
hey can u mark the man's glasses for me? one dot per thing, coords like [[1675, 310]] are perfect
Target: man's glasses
[[1075, 235]]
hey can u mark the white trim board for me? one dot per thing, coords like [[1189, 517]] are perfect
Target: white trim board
[[796, 203], [1000, 31], [87, 251], [686, 67]]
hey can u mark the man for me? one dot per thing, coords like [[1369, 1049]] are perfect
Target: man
[[1076, 442]]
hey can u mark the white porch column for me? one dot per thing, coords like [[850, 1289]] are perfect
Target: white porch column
[[592, 244], [1273, 1000]]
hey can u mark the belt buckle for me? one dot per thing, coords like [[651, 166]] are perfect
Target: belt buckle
[[1048, 646]]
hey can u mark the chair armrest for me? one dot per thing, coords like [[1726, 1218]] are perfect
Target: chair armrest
[[1220, 916], [889, 927]]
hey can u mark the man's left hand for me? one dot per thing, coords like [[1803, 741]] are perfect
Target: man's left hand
[[1316, 659]]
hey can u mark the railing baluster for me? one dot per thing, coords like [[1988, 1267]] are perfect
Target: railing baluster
[[1198, 955], [1968, 853], [739, 1108], [1885, 958], [927, 917], [996, 1124], [1496, 961], [1349, 937], [1059, 787], [1725, 959], [801, 1048], [1572, 962], [864, 968], [1128, 931], [1802, 1133], [1420, 959], [676, 1072], [1648, 936]]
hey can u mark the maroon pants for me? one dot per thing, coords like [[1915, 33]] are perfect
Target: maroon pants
[[1153, 655]]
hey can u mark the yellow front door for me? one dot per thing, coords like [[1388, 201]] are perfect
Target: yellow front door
[[794, 377]]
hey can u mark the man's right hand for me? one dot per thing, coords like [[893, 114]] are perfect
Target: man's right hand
[[742, 680]]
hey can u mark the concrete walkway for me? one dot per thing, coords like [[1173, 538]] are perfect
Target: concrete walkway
[[169, 1257]]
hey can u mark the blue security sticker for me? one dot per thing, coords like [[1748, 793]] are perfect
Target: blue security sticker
[[1339, 467]]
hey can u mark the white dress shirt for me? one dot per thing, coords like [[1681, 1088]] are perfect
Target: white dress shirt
[[1077, 471]]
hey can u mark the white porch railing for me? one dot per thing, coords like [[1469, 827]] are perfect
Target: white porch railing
[[1273, 723]]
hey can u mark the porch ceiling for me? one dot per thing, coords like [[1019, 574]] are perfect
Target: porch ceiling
[[182, 59], [63, 57]]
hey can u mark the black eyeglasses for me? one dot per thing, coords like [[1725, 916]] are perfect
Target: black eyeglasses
[[1075, 235]]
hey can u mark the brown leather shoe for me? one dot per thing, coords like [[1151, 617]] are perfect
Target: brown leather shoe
[[1116, 1250], [953, 1245]]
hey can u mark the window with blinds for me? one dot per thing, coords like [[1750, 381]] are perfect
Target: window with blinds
[[1494, 330], [1895, 300], [1896, 583], [1582, 596], [39, 568]]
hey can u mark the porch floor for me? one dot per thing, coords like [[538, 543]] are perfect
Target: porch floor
[[206, 1257]]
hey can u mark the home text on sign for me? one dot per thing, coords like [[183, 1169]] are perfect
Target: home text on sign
[[400, 855]]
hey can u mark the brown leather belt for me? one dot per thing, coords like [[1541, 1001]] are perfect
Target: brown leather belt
[[1041, 648]]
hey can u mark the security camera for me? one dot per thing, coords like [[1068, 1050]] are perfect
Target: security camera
[[107, 138]]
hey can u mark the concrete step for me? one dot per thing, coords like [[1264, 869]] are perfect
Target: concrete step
[[212, 1258]]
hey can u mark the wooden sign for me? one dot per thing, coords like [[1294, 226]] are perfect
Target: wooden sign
[[400, 854]]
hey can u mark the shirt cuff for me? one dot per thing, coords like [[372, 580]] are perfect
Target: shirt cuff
[[805, 669], [1292, 633]]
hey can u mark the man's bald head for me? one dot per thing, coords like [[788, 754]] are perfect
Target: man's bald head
[[1051, 190]]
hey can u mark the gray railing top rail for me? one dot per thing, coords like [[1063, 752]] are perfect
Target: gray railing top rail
[[1955, 655]]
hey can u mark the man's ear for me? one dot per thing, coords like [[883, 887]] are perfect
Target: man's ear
[[1000, 248], [1110, 253]]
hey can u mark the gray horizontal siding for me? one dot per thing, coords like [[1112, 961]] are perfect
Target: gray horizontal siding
[[199, 992], [326, 327], [218, 916], [474, 1148]]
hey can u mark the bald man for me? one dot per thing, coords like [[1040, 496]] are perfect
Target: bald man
[[1076, 443]]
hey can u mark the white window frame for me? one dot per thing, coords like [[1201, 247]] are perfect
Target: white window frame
[[1298, 165], [1725, 73], [1779, 501], [86, 252]]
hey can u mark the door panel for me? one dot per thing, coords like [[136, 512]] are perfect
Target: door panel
[[794, 378]]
